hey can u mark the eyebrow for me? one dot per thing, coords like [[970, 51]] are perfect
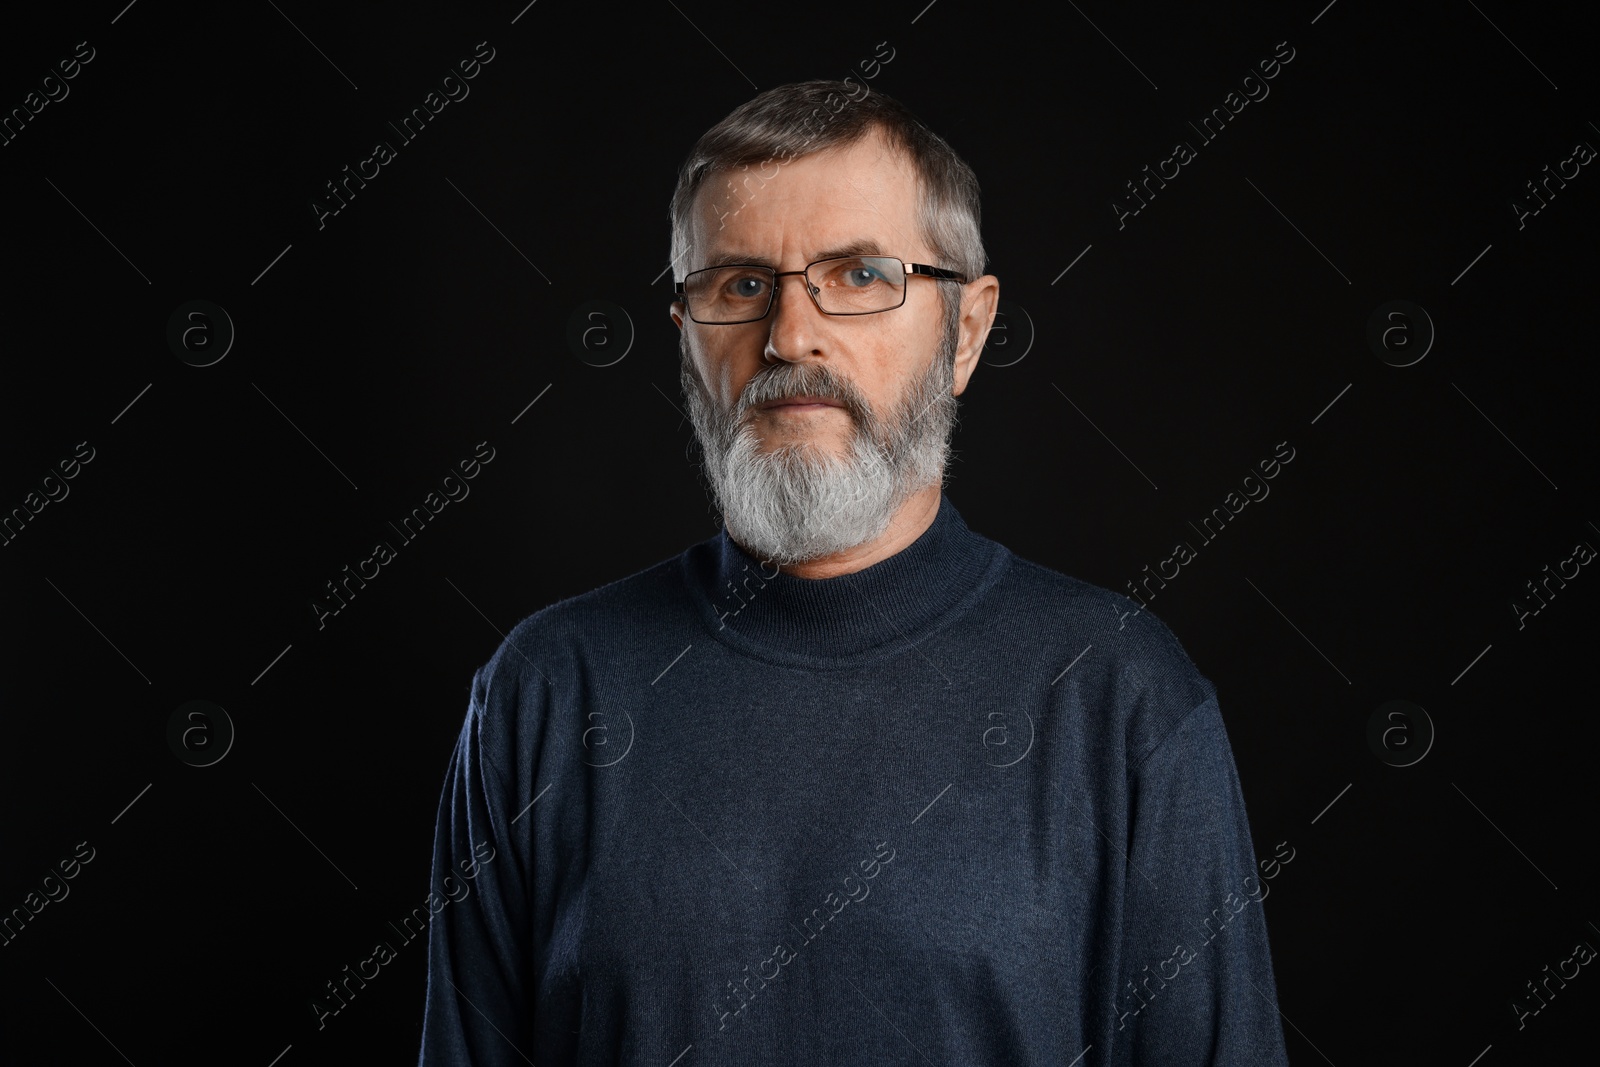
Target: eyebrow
[[860, 247]]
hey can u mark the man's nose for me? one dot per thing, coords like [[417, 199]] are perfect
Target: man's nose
[[793, 331]]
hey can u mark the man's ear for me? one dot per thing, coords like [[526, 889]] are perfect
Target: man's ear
[[675, 310], [980, 298]]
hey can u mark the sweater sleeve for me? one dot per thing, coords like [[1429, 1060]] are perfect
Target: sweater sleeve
[[1195, 985], [479, 1005]]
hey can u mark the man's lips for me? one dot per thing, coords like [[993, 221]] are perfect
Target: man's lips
[[802, 401]]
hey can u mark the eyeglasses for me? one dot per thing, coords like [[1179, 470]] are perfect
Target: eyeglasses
[[845, 285]]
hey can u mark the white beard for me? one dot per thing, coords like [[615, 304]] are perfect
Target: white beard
[[802, 502]]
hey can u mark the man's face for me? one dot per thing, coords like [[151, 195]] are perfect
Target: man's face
[[796, 482]]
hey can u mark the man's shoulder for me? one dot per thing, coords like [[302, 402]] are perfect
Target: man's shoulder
[[1128, 654], [1059, 600], [614, 613]]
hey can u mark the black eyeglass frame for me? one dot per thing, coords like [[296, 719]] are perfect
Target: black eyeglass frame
[[911, 270]]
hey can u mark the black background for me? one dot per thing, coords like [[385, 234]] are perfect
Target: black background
[[378, 350]]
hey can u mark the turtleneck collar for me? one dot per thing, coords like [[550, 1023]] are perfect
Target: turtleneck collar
[[879, 609]]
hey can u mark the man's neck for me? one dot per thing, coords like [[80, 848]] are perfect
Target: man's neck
[[909, 523]]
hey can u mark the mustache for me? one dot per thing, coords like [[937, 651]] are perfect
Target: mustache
[[785, 380]]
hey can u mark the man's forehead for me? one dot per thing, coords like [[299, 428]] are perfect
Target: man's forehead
[[722, 248], [858, 200]]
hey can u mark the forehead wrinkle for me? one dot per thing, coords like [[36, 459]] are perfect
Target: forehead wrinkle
[[860, 246]]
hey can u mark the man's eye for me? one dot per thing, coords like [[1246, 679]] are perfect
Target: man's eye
[[749, 286], [861, 276]]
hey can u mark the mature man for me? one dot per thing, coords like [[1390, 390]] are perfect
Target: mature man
[[847, 783]]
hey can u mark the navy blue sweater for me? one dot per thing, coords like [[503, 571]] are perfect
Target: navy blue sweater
[[954, 808]]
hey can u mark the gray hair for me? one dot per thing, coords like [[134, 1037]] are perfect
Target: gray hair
[[791, 121]]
